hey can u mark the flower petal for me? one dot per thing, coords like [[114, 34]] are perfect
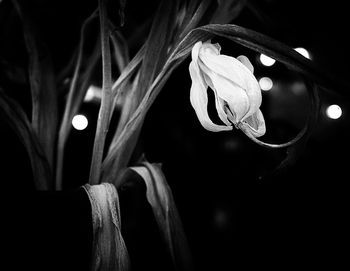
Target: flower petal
[[219, 102], [208, 47], [195, 51], [227, 90], [245, 61], [255, 124], [199, 100], [235, 71]]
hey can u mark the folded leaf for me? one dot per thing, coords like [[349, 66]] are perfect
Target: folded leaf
[[160, 197], [109, 250]]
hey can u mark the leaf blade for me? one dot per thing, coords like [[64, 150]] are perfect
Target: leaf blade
[[17, 119], [42, 86], [160, 197]]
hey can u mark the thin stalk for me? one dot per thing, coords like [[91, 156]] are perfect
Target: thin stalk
[[106, 102]]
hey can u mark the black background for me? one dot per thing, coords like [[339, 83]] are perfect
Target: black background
[[234, 215]]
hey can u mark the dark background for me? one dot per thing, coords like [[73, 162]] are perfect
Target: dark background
[[234, 214]]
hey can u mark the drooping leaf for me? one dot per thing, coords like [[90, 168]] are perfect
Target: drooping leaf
[[13, 114], [160, 197], [268, 46], [248, 38], [42, 86]]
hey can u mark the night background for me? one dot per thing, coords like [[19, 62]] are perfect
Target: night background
[[237, 213]]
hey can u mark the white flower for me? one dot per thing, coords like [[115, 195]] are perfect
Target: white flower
[[237, 92]]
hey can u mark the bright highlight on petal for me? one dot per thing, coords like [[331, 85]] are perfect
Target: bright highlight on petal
[[334, 111], [303, 52], [265, 83], [266, 60], [80, 122], [237, 92]]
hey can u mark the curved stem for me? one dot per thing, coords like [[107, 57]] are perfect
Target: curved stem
[[314, 101], [300, 135]]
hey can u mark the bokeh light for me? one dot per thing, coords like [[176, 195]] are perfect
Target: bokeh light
[[266, 60], [334, 111], [265, 83], [80, 122], [303, 52]]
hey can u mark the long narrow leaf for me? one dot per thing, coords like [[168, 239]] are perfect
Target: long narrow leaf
[[75, 98], [43, 88], [160, 197], [121, 52], [122, 90], [156, 46], [135, 122], [246, 37], [155, 52], [105, 112], [122, 157], [17, 119], [268, 46]]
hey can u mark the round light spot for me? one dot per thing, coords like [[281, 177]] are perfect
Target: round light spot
[[265, 83], [266, 60], [333, 111], [303, 52], [80, 122]]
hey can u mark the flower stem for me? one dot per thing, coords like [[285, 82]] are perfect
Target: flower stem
[[106, 102]]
